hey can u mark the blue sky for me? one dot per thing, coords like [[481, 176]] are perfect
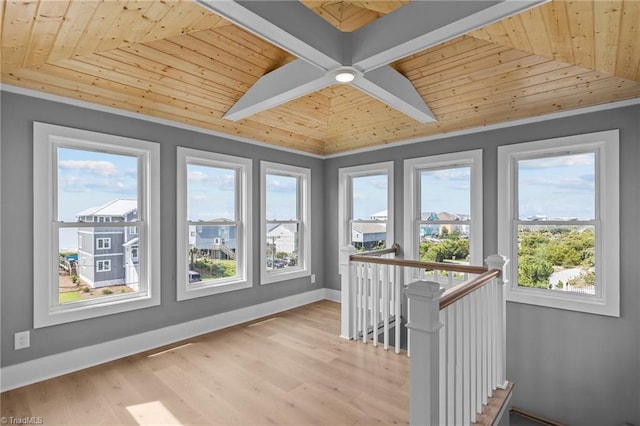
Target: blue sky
[[91, 179], [445, 190], [281, 202], [557, 187], [211, 193], [369, 195]]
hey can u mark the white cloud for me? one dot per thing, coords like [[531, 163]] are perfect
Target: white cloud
[[563, 161], [96, 168]]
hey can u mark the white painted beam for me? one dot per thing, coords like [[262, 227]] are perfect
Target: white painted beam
[[423, 24], [389, 86], [289, 25], [284, 84]]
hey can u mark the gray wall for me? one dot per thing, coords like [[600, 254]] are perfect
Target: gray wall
[[16, 291], [577, 368]]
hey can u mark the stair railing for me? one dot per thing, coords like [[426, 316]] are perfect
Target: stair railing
[[456, 328]]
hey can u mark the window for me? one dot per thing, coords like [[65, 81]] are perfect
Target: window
[[443, 218], [366, 206], [103, 266], [214, 223], [285, 228], [79, 178], [103, 243], [559, 222]]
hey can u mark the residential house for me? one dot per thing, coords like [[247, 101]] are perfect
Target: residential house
[[283, 237], [368, 235], [182, 74], [108, 255], [430, 231], [217, 241]]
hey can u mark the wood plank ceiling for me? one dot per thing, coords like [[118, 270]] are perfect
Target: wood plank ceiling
[[175, 60]]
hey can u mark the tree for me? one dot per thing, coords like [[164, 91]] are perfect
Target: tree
[[534, 272]]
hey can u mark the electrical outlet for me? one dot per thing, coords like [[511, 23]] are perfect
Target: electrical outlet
[[22, 340], [313, 278]]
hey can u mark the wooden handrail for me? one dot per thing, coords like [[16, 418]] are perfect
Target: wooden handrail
[[441, 266], [535, 417], [456, 293]]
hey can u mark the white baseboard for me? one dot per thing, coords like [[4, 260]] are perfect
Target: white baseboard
[[28, 372], [331, 294]]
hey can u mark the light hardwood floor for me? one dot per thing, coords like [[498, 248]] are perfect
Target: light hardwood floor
[[290, 368]]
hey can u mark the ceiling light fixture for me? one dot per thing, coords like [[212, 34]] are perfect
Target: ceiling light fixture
[[344, 76]]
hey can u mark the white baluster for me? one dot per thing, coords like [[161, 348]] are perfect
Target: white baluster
[[375, 301], [466, 359], [397, 300], [444, 367], [385, 304], [365, 301], [459, 400], [451, 371]]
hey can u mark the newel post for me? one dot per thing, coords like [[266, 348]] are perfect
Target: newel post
[[347, 292], [424, 325], [496, 261]]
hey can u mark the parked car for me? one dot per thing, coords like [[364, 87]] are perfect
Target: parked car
[[194, 277]]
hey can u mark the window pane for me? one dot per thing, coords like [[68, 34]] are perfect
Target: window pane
[[369, 197], [281, 197], [211, 193], [86, 273], [560, 258], [557, 188], [212, 252], [96, 186], [445, 194], [282, 245]]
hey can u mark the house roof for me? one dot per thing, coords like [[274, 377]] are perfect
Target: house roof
[[282, 228], [118, 207], [192, 65], [370, 228], [442, 216]]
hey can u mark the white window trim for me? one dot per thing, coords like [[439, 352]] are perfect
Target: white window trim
[[106, 265], [244, 251], [106, 243], [412, 167], [345, 175], [47, 310], [606, 146], [303, 269]]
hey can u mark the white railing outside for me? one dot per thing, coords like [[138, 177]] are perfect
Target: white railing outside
[[456, 341]]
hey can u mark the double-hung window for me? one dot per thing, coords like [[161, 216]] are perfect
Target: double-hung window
[[559, 221], [443, 218], [80, 259], [214, 223], [366, 206], [103, 243], [285, 222]]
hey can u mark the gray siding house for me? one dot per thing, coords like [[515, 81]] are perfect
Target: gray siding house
[[108, 255]]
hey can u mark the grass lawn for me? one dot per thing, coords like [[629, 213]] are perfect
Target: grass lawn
[[69, 296]]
